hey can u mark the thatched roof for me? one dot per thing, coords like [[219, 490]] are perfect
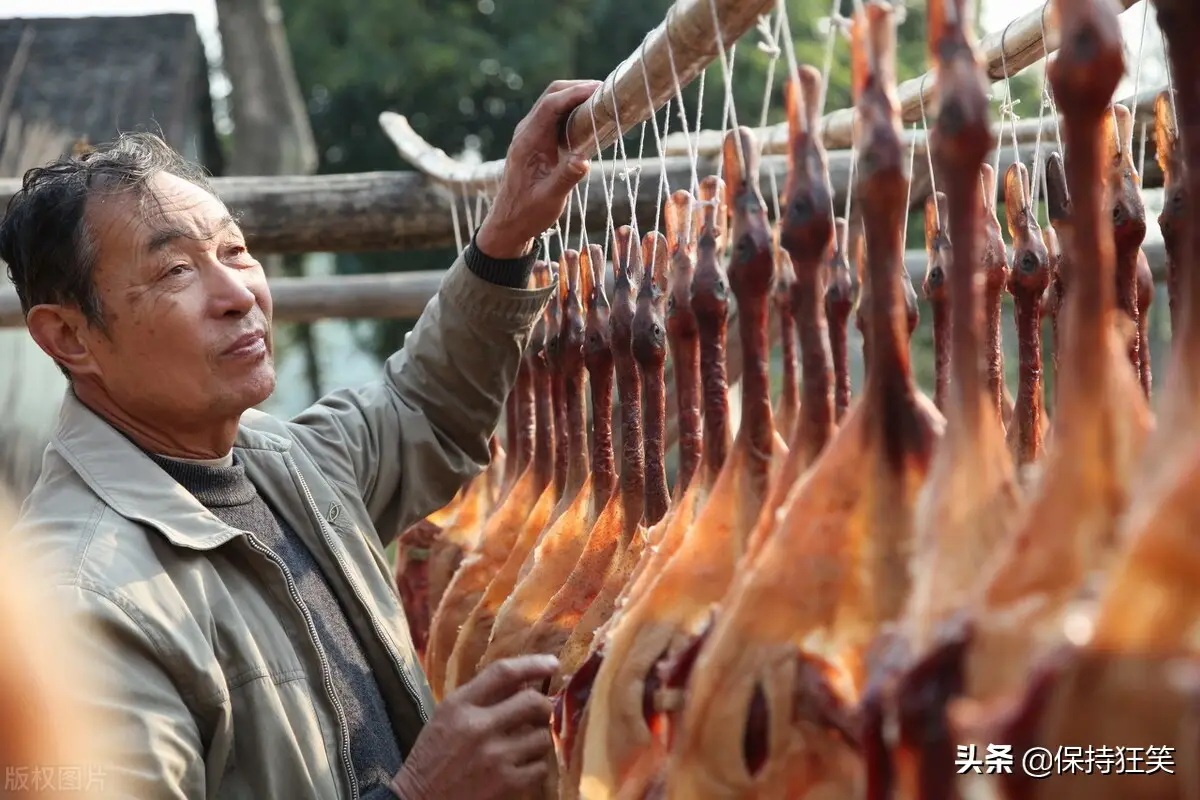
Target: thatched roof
[[93, 77]]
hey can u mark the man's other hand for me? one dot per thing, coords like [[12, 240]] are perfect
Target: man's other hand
[[538, 174], [487, 739]]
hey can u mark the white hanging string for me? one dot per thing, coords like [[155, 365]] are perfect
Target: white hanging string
[[937, 211], [727, 73], [1037, 180], [912, 159], [458, 237], [770, 46], [1142, 154], [663, 187], [583, 240], [1137, 75], [727, 108], [692, 145], [836, 23], [467, 208], [1046, 88], [1008, 109], [626, 170], [1170, 77], [610, 230]]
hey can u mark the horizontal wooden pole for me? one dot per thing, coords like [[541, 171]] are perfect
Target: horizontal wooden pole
[[404, 295], [397, 211], [773, 138]]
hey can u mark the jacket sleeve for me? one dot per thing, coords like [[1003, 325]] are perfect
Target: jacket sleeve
[[409, 441], [147, 737]]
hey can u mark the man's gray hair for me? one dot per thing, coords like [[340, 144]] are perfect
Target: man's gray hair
[[44, 236]]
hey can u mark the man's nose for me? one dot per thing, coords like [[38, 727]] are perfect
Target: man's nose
[[231, 292]]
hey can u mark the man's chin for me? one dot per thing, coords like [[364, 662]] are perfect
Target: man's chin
[[259, 385]]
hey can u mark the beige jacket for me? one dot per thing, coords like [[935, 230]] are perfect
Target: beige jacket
[[213, 684]]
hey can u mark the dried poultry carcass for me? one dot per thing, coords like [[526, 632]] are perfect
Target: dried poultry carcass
[[423, 558], [937, 293], [685, 232], [994, 260], [460, 535], [1027, 283], [622, 754], [769, 709], [1058, 240], [1145, 298], [1134, 678], [788, 407], [1173, 220], [505, 524], [682, 222], [840, 297], [627, 525], [649, 345], [564, 342], [1124, 197], [555, 556], [630, 572], [806, 234], [1067, 534], [570, 620], [971, 501]]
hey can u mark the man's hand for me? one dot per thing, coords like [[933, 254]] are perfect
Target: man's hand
[[538, 174], [487, 739]]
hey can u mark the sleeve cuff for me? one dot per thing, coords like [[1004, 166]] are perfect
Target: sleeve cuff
[[510, 272]]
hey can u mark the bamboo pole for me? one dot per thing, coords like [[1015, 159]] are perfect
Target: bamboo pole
[[682, 45]]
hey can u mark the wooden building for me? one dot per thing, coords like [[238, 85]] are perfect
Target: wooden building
[[63, 80]]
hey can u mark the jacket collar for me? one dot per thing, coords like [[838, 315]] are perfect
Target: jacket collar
[[130, 483]]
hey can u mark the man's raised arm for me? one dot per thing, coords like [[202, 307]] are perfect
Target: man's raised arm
[[408, 442]]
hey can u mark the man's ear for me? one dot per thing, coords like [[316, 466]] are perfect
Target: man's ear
[[59, 331]]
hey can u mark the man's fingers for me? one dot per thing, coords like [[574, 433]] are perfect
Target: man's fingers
[[527, 776], [562, 101], [526, 707], [571, 170], [558, 86], [531, 745], [503, 678]]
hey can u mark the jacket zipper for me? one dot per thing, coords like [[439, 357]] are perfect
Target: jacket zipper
[[312, 504], [325, 672]]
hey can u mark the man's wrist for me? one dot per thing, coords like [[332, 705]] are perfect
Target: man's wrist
[[497, 246], [404, 787], [509, 272]]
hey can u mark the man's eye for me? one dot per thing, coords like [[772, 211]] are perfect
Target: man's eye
[[177, 270]]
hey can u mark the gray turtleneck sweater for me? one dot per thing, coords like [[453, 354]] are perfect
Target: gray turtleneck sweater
[[222, 487]]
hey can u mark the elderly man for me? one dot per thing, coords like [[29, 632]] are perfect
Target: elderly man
[[231, 564]]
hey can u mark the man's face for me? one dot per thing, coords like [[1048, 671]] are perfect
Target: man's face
[[187, 309]]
